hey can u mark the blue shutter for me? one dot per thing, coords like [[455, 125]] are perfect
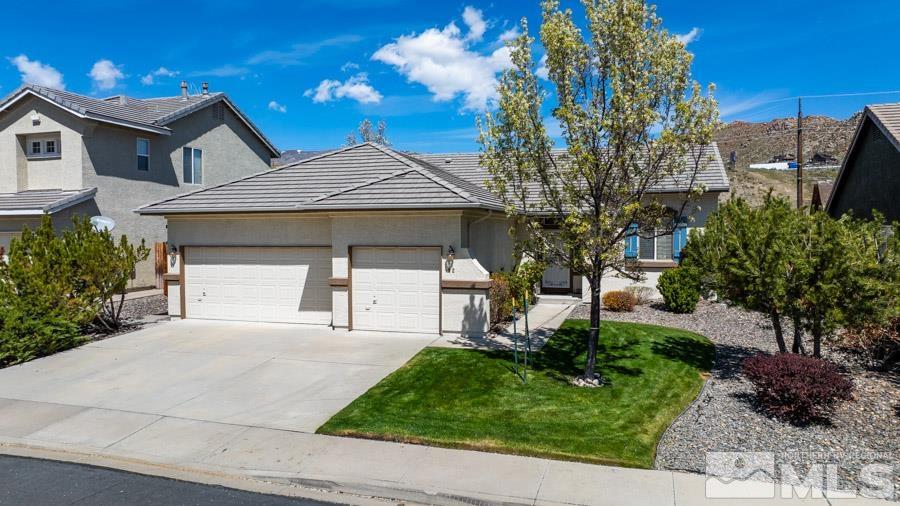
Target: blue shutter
[[679, 238], [631, 241]]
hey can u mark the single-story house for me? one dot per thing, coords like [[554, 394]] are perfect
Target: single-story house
[[869, 178], [366, 237]]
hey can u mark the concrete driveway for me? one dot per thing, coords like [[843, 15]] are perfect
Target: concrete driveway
[[275, 376]]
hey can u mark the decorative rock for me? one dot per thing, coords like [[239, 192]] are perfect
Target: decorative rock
[[723, 418]]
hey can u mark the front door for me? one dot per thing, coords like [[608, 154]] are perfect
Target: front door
[[557, 279]]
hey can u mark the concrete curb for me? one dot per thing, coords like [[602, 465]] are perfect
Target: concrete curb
[[305, 489]]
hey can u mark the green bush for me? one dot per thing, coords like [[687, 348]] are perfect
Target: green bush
[[680, 289], [509, 289], [619, 300], [52, 287], [500, 295]]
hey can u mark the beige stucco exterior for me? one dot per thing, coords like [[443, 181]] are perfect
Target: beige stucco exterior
[[480, 241], [463, 311], [104, 156]]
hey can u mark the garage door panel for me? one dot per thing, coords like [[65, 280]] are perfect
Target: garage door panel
[[396, 289], [258, 284]]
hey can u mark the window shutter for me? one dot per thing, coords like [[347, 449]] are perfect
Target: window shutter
[[679, 238], [631, 241]]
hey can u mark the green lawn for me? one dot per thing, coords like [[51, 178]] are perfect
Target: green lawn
[[472, 399]]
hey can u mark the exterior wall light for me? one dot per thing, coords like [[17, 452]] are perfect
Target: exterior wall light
[[451, 255], [173, 255]]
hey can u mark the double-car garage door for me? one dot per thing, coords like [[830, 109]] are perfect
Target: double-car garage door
[[288, 285], [392, 288]]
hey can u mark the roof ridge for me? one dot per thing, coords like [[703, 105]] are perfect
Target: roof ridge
[[251, 176], [427, 170], [351, 188]]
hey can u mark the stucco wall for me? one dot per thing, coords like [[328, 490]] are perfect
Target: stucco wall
[[230, 151], [491, 244], [16, 123]]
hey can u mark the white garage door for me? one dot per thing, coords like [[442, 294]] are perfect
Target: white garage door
[[396, 289], [287, 285]]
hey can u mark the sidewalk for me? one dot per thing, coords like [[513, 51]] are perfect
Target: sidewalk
[[543, 319], [303, 464]]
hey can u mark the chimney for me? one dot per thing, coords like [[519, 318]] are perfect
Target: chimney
[[205, 88], [123, 100], [184, 93]]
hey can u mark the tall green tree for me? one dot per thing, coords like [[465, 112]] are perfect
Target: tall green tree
[[630, 117]]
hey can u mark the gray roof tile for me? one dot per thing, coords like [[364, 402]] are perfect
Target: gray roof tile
[[37, 202], [153, 114], [368, 176]]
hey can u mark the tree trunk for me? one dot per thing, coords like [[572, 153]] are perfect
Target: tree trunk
[[798, 337], [817, 339], [594, 333], [779, 332]]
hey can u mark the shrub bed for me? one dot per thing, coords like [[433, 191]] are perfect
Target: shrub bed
[[680, 289], [796, 388]]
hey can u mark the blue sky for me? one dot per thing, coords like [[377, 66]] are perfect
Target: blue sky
[[308, 72]]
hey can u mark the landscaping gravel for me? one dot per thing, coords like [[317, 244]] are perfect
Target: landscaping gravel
[[724, 419], [137, 314]]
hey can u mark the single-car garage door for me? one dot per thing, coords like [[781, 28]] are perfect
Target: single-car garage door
[[396, 289], [287, 285]]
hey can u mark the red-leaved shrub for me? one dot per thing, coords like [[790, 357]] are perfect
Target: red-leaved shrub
[[619, 300], [796, 388]]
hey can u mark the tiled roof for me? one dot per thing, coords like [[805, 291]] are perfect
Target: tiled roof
[[152, 114], [887, 116], [37, 202], [368, 176]]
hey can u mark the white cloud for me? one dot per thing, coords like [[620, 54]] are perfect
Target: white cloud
[[150, 78], [298, 54], [542, 71], [275, 106], [510, 34], [349, 66], [442, 61], [474, 19], [105, 74], [356, 87], [35, 72], [227, 70], [691, 36]]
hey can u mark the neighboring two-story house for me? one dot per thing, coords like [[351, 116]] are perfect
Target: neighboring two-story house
[[64, 154]]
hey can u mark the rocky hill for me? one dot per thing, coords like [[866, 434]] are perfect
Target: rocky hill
[[776, 140]]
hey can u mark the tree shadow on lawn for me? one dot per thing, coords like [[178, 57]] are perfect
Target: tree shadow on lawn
[[564, 355], [693, 352]]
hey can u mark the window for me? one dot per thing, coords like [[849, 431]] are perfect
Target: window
[[143, 154], [193, 165], [664, 243], [43, 146]]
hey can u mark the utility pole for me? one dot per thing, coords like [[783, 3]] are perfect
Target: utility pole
[[799, 152]]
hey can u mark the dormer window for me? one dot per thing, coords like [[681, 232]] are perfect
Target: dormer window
[[50, 147], [36, 148]]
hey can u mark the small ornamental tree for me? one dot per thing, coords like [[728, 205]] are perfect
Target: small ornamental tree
[[630, 119], [103, 267]]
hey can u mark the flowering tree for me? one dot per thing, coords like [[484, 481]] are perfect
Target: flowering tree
[[631, 119]]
